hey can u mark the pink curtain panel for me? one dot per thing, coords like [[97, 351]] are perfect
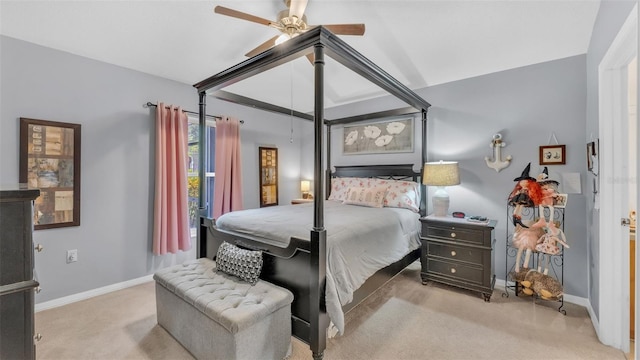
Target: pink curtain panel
[[228, 185]]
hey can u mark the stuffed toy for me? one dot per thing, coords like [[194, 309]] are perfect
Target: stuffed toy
[[545, 286], [525, 239], [526, 193], [548, 243]]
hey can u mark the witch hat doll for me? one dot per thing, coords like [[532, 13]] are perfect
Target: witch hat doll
[[527, 192]]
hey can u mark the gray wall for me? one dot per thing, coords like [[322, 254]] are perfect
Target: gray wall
[[526, 105], [611, 16], [114, 239]]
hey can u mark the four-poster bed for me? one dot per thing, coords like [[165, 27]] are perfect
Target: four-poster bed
[[301, 266]]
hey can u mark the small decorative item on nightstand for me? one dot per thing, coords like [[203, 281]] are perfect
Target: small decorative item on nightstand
[[459, 253]]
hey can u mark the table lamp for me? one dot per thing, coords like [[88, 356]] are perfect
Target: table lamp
[[305, 186], [441, 174]]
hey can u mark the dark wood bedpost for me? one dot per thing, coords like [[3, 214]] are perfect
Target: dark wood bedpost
[[327, 171], [423, 188], [201, 250], [319, 320]]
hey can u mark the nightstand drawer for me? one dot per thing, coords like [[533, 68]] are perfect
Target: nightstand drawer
[[456, 233], [453, 252], [470, 274]]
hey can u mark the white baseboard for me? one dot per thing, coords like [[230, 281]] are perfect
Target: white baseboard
[[568, 298], [92, 293]]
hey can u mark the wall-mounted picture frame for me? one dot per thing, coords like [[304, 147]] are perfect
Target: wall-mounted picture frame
[[268, 170], [50, 161], [553, 155], [560, 200], [385, 136], [592, 157]]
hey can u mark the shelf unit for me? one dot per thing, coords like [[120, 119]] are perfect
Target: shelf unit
[[556, 263]]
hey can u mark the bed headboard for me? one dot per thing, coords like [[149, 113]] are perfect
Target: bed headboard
[[395, 171]]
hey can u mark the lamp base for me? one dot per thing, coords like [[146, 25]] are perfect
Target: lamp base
[[440, 201]]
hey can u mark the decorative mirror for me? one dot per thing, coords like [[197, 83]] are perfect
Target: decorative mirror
[[268, 160]]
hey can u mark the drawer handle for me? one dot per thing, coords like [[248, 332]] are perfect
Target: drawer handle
[[38, 247], [453, 234], [453, 253], [453, 271]]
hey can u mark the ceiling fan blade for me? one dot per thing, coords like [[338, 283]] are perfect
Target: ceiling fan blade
[[311, 58], [240, 15], [297, 7], [262, 47], [346, 29]]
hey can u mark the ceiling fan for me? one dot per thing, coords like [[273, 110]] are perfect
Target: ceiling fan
[[291, 23]]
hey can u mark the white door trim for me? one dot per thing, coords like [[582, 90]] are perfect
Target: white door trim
[[613, 319]]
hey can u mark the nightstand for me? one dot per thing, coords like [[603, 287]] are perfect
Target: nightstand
[[458, 252], [300, 201]]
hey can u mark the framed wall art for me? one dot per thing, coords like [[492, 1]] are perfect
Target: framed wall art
[[50, 161], [388, 136], [268, 160], [553, 155]]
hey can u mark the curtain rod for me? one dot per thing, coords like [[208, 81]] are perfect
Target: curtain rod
[[149, 103]]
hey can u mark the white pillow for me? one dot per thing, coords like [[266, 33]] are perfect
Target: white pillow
[[366, 196]]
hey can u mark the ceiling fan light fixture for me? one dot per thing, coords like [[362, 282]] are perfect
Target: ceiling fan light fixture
[[282, 38]]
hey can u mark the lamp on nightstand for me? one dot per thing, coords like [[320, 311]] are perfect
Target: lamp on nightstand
[[441, 174], [305, 186]]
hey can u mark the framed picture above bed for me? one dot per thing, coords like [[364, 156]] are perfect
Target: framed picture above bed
[[387, 136], [268, 160], [50, 161]]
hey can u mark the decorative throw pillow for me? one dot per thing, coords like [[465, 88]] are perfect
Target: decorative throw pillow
[[370, 197], [340, 186], [401, 194], [245, 264]]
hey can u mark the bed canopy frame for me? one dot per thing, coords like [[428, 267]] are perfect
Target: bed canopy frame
[[317, 42]]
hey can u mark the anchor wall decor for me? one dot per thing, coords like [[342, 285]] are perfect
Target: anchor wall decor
[[497, 163]]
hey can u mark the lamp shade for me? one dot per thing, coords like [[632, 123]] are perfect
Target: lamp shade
[[305, 185], [441, 173]]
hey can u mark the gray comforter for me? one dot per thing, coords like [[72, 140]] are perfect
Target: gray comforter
[[360, 241]]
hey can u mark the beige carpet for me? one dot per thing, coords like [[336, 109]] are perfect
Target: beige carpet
[[403, 320]]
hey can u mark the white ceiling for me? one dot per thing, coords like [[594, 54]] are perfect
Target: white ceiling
[[421, 43]]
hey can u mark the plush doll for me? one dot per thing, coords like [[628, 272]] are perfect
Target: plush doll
[[548, 245], [526, 193], [541, 284], [525, 239], [548, 242]]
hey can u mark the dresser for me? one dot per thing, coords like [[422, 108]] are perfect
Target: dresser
[[459, 253], [17, 283]]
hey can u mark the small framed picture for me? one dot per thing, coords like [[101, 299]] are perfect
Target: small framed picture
[[553, 155], [560, 200]]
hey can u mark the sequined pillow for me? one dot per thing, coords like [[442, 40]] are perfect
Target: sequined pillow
[[245, 264]]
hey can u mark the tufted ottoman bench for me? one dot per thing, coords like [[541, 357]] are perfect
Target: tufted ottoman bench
[[218, 316]]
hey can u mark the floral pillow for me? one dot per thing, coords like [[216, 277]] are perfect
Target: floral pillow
[[340, 186], [366, 196], [401, 194]]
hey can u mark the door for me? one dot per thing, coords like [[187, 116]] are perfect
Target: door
[[615, 179]]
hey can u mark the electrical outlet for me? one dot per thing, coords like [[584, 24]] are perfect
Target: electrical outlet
[[72, 256]]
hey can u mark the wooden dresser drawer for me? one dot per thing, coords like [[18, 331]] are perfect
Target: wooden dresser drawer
[[458, 253], [467, 273], [454, 252], [456, 233]]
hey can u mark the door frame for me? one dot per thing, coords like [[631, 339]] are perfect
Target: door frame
[[613, 319]]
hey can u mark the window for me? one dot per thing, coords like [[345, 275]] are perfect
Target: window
[[193, 179]]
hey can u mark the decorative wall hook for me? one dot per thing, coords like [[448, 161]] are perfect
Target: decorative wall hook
[[497, 163]]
